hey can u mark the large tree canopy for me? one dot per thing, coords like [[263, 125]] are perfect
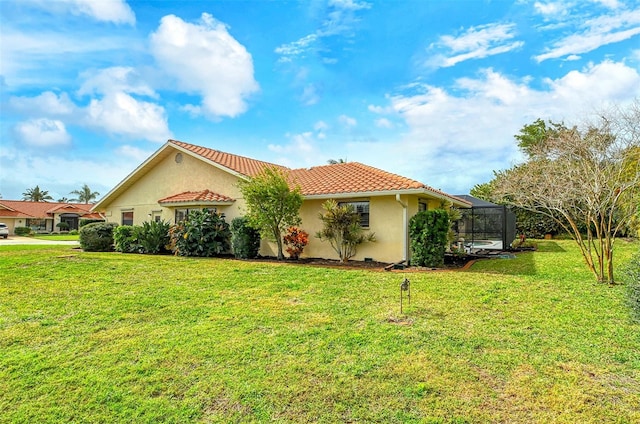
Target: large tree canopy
[[272, 205], [585, 178]]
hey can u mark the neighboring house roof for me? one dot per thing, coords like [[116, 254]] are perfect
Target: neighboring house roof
[[475, 201], [200, 197], [27, 209], [339, 180]]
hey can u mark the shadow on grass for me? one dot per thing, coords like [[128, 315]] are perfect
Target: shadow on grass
[[523, 264], [549, 246]]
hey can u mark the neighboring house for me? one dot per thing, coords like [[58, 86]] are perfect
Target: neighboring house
[[180, 177], [44, 216]]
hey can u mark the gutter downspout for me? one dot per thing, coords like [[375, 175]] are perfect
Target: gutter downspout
[[405, 229]]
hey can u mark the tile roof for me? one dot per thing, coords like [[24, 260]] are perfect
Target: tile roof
[[26, 209], [240, 164], [341, 178], [196, 196], [350, 177]]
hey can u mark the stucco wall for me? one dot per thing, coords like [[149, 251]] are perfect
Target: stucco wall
[[385, 220], [169, 178]]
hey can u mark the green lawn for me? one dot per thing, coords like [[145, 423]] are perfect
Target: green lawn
[[57, 237], [108, 337]]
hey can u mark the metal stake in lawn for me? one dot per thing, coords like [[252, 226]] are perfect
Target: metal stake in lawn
[[405, 287]]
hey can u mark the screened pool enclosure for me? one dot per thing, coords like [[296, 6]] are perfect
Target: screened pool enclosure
[[485, 225]]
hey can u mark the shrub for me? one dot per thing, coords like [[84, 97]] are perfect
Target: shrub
[[73, 232], [202, 233], [63, 226], [631, 272], [341, 227], [153, 236], [87, 221], [97, 237], [428, 232], [245, 240], [22, 231], [295, 240], [125, 239]]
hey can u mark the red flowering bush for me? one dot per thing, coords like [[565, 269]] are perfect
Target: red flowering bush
[[295, 240]]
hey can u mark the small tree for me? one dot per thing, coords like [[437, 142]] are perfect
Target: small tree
[[587, 180], [428, 231], [272, 205], [63, 226], [296, 239], [341, 228]]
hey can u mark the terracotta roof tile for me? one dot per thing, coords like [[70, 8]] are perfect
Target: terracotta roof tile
[[26, 209], [350, 177], [240, 164], [196, 196]]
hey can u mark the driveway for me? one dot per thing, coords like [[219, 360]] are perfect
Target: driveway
[[29, 240]]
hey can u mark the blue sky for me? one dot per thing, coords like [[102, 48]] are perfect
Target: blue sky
[[432, 90]]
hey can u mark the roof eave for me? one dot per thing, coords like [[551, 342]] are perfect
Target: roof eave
[[416, 191]]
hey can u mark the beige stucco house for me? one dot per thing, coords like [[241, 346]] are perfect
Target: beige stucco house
[[179, 177]]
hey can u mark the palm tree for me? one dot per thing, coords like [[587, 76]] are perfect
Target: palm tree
[[85, 195], [36, 195], [63, 200], [334, 162]]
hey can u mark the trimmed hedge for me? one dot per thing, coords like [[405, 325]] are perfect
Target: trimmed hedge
[[97, 237], [428, 232], [22, 231], [87, 221]]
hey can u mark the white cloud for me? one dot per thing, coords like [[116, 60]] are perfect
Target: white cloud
[[310, 95], [115, 79], [115, 11], [26, 56], [551, 9], [42, 132], [383, 123], [101, 173], [47, 103], [320, 126], [340, 19], [206, 60], [595, 32], [347, 121], [611, 4], [458, 135], [121, 114], [296, 47], [475, 43], [133, 153]]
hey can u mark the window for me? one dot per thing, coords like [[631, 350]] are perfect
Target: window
[[37, 224], [422, 205], [127, 218], [181, 214], [362, 209]]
